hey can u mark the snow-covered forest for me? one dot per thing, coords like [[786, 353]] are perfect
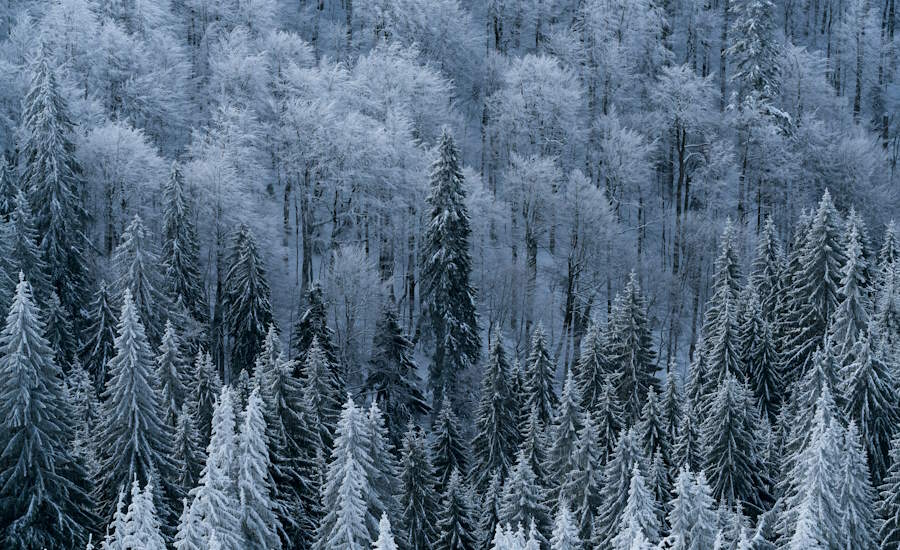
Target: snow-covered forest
[[449, 274]]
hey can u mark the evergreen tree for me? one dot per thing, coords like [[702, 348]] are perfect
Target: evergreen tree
[[385, 540], [343, 495], [609, 418], [869, 387], [207, 386], [312, 324], [393, 377], [630, 349], [889, 501], [42, 487], [51, 177], [723, 358], [446, 269], [616, 485], [418, 499], [562, 435], [189, 535], [188, 454], [755, 50], [660, 483], [180, 253], [857, 497], [591, 369], [582, 486], [640, 517], [172, 376], [322, 391], [100, 347], [135, 441], [496, 423], [85, 409], [539, 375], [259, 521], [732, 460], [9, 188], [137, 270], [565, 532], [59, 332], [385, 472], [760, 359], [850, 318], [456, 523], [767, 269], [23, 252], [725, 292], [687, 451], [672, 405], [489, 512], [523, 499], [141, 528], [448, 447], [248, 312], [651, 429], [533, 444], [691, 516]]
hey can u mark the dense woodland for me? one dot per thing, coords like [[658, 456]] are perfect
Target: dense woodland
[[449, 274]]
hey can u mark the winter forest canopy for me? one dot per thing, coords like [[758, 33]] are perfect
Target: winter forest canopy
[[449, 274]]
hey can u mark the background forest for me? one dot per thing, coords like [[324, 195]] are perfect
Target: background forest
[[449, 274]]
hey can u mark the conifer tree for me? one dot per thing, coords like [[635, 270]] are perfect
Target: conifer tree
[[851, 317], [446, 270], [755, 50], [259, 521], [322, 391], [539, 375], [344, 524], [565, 532], [496, 423], [59, 332], [393, 377], [563, 434], [180, 250], [857, 497], [640, 517], [418, 499], [630, 349], [135, 440], [582, 486], [85, 410], [889, 501], [533, 444], [760, 360], [448, 447], [9, 188], [767, 269], [137, 270], [172, 376], [23, 252], [725, 290], [248, 312], [672, 406], [523, 499], [385, 472], [456, 524], [188, 453], [312, 324], [687, 451], [651, 429], [592, 369], [609, 418], [691, 517], [869, 387], [207, 387], [723, 357], [189, 535], [660, 483], [99, 347], [385, 540], [489, 511], [141, 528], [616, 484], [51, 177], [42, 487]]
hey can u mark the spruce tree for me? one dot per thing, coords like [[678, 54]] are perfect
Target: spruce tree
[[640, 517], [418, 499], [346, 484], [312, 324], [384, 473], [248, 312], [616, 483], [206, 388], [687, 451], [456, 523], [59, 332], [725, 292], [565, 531], [135, 440], [51, 177], [496, 423], [100, 347], [448, 448], [140, 527], [42, 487], [446, 270], [582, 485], [393, 377], [188, 453], [258, 507], [562, 435], [85, 409], [768, 269], [523, 498], [850, 318], [672, 406], [858, 528], [651, 429], [630, 349], [385, 540], [180, 249], [9, 188], [489, 511], [592, 368], [322, 391], [609, 418], [533, 444], [691, 518], [723, 357], [171, 374], [539, 375], [137, 270], [755, 50], [760, 359], [889, 501], [23, 252]]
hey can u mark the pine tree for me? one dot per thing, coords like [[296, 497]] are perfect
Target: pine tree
[[563, 434], [9, 188], [640, 517], [857, 497], [141, 528], [23, 252], [732, 461], [523, 499], [393, 377], [616, 484], [660, 483], [322, 391], [489, 511], [188, 454], [384, 473], [691, 516], [592, 369], [446, 269], [760, 359], [135, 441], [687, 451], [385, 540], [312, 324], [172, 376], [539, 375], [496, 423], [850, 318], [723, 358], [725, 292], [189, 535], [582, 486], [137, 270], [346, 484], [869, 387], [418, 499], [100, 345], [259, 521], [565, 532], [248, 312], [207, 387], [456, 524], [533, 444], [889, 501], [42, 488], [672, 405], [768, 269], [85, 409], [180, 250], [59, 332], [51, 177], [630, 349], [215, 505], [609, 418], [651, 429], [448, 447]]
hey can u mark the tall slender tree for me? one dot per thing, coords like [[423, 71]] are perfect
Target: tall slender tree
[[99, 346], [448, 448], [259, 518], [418, 499], [496, 423], [539, 377], [137, 270]]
